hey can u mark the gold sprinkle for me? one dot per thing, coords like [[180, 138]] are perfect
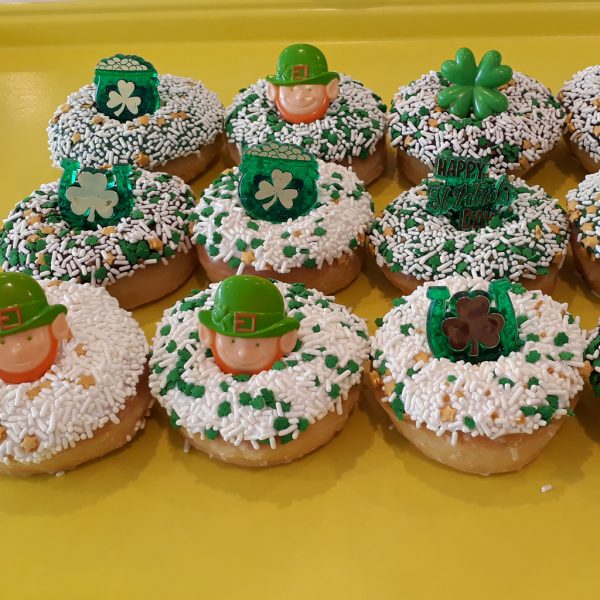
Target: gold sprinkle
[[433, 122], [388, 231], [97, 120], [297, 233], [65, 108], [41, 259], [527, 144], [76, 137], [161, 121], [554, 228], [47, 229], [2, 433], [389, 388], [247, 257], [447, 414], [590, 241], [422, 357], [87, 381], [109, 230], [30, 443], [524, 162], [361, 238], [596, 102], [408, 140], [142, 160], [34, 219], [110, 259], [36, 389], [180, 115], [538, 232], [32, 238], [438, 108], [80, 350], [144, 120], [593, 208], [156, 244], [587, 227], [597, 130], [53, 283]]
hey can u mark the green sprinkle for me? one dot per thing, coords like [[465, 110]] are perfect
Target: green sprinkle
[[173, 418], [171, 346], [245, 399], [335, 391], [224, 409], [303, 424], [533, 381], [224, 386], [533, 356], [398, 408], [506, 381], [565, 355], [281, 423], [528, 411], [211, 433], [561, 339], [320, 231], [469, 422], [331, 360], [452, 378], [289, 251]]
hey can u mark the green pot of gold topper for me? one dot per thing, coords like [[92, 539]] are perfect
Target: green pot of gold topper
[[279, 182], [126, 87]]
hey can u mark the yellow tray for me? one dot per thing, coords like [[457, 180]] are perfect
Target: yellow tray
[[366, 516]]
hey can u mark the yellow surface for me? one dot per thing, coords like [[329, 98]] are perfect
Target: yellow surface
[[366, 516]]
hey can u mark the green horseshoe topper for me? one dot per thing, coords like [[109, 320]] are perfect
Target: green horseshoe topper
[[126, 87], [279, 182], [88, 198], [465, 327]]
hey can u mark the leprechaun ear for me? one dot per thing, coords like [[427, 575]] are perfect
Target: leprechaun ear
[[207, 335], [271, 91], [333, 89], [60, 327], [288, 340]]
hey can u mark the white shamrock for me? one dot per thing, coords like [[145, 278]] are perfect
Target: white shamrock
[[123, 98], [277, 190], [92, 196]]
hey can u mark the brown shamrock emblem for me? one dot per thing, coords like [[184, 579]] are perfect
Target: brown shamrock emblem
[[474, 324]]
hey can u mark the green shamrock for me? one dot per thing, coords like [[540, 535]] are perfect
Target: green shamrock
[[474, 87]]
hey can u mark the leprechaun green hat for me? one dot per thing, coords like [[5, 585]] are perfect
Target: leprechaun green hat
[[23, 304], [247, 306], [302, 64]]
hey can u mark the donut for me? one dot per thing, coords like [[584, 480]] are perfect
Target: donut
[[593, 356], [515, 136], [351, 132], [93, 398], [526, 242], [269, 417], [180, 133], [580, 99], [486, 417], [323, 248], [582, 206], [139, 257]]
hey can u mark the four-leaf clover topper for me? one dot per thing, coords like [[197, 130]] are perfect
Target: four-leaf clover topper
[[466, 327], [89, 198], [279, 182], [126, 87], [473, 88]]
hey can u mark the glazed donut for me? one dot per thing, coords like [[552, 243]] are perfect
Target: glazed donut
[[182, 137], [528, 245], [322, 249], [140, 259], [580, 98], [352, 133], [515, 140], [489, 417], [583, 205], [94, 398], [271, 417]]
